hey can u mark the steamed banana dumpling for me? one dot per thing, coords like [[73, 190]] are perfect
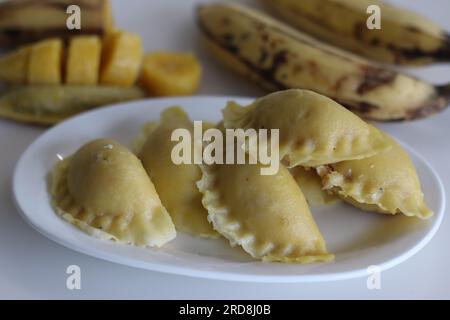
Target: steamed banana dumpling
[[175, 183], [313, 129], [265, 214], [311, 184], [386, 183], [103, 189]]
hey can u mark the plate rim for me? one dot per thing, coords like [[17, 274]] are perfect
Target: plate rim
[[218, 275]]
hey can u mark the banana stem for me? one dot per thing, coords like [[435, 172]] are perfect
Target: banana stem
[[439, 102], [446, 49], [444, 92]]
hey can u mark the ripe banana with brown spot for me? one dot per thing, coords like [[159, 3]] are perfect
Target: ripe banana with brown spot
[[278, 57], [404, 38], [27, 21]]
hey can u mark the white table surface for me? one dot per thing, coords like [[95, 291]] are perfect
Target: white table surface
[[32, 266]]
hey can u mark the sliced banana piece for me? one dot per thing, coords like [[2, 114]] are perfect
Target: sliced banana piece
[[171, 74]]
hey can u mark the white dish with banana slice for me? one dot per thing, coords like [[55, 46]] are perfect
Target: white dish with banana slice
[[358, 239]]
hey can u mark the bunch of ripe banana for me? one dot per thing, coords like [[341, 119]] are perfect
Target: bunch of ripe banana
[[278, 57]]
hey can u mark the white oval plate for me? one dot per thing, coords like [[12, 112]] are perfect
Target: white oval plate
[[359, 239]]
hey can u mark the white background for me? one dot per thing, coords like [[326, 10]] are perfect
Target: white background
[[33, 267]]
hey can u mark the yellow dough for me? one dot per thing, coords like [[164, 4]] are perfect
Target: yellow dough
[[265, 214], [311, 184], [176, 184], [314, 130], [386, 183], [104, 190]]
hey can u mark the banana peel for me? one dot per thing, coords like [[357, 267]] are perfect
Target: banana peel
[[48, 105]]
